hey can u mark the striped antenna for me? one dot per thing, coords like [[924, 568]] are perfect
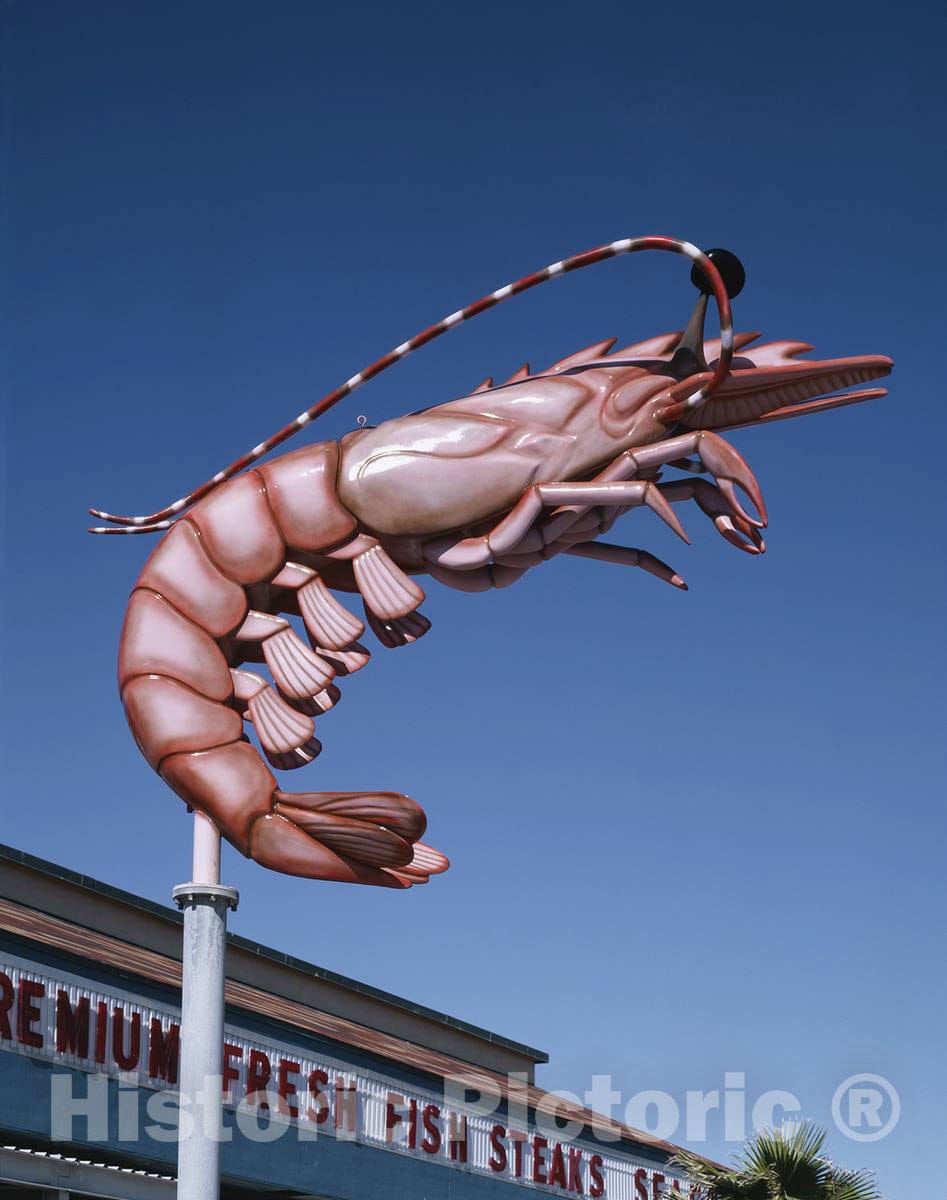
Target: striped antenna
[[164, 517]]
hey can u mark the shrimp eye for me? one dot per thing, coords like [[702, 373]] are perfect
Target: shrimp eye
[[730, 268]]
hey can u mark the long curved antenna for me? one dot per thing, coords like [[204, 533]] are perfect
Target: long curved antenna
[[163, 518]]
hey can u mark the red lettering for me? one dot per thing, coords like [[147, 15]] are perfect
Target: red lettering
[[431, 1143], [346, 1107], [539, 1175], [101, 1030], [641, 1184], [596, 1181], [317, 1081], [6, 1003], [28, 1013], [517, 1139], [129, 1061], [230, 1074], [657, 1191], [413, 1125], [498, 1157], [392, 1117], [259, 1073], [72, 1025], [557, 1168], [575, 1170], [285, 1088], [164, 1050]]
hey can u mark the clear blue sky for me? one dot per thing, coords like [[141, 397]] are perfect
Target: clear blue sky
[[691, 833]]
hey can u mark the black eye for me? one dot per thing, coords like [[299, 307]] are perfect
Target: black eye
[[730, 268]]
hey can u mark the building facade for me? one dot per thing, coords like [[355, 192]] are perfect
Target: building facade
[[332, 1088]]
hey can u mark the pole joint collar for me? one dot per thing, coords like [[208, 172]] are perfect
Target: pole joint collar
[[205, 893]]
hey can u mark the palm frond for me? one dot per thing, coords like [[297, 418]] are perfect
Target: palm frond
[[778, 1164], [852, 1185], [791, 1156], [719, 1183]]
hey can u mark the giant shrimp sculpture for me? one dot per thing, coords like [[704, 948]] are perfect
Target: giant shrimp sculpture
[[473, 493]]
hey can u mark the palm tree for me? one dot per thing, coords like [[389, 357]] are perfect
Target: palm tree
[[778, 1164]]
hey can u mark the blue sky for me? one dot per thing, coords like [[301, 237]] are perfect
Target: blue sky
[[691, 833]]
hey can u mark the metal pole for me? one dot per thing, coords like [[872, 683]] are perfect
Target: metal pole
[[205, 904]]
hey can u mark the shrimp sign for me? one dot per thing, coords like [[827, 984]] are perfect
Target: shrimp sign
[[281, 1088], [472, 494]]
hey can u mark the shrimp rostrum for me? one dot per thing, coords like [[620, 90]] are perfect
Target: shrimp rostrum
[[236, 623]]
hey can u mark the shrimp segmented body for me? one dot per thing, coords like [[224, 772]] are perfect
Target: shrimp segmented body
[[236, 626]]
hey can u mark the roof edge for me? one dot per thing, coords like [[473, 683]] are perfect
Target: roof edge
[[110, 892]]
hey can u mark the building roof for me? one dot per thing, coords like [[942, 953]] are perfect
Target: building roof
[[465, 1040], [263, 981]]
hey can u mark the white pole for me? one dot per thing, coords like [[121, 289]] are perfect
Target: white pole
[[205, 903], [205, 864]]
